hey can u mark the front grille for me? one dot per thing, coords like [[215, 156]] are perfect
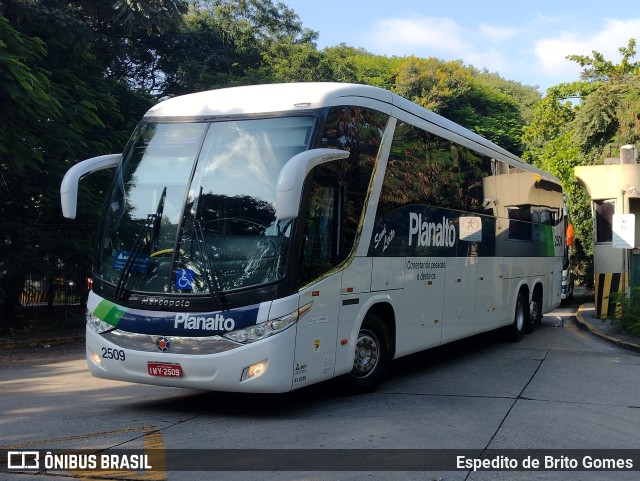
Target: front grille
[[179, 345]]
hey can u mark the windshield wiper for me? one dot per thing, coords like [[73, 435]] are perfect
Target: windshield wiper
[[210, 273], [151, 225]]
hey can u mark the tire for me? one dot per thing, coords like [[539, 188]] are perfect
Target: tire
[[515, 331], [535, 314], [372, 357], [570, 296]]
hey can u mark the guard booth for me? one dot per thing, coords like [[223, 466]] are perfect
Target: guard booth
[[614, 189]]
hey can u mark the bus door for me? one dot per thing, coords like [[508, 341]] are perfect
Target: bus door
[[316, 336], [317, 330]]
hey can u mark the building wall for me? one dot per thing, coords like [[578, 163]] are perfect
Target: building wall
[[620, 182]]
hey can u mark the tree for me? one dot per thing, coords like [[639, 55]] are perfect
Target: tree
[[582, 122], [224, 42], [598, 69], [525, 96], [302, 62], [608, 116], [131, 37], [24, 97], [433, 83], [482, 102], [58, 106]]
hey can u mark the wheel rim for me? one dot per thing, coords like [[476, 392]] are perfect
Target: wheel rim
[[520, 317], [534, 312], [367, 354]]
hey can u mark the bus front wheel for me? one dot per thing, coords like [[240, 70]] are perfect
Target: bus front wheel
[[372, 356]]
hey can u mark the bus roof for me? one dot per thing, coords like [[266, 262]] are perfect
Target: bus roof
[[257, 99], [288, 97]]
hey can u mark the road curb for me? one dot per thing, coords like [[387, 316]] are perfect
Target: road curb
[[580, 318]]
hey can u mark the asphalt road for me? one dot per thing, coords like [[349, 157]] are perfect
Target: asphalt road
[[561, 388]]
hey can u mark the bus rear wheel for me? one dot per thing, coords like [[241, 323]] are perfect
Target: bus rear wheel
[[535, 313], [520, 319], [372, 357]]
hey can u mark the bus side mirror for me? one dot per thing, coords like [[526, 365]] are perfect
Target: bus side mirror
[[292, 176], [69, 186], [570, 237]]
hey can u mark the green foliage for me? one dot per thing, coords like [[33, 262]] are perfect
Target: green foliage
[[629, 311], [290, 62], [525, 96], [366, 68], [480, 101], [628, 114], [75, 77], [582, 122], [550, 143], [24, 97], [146, 16], [598, 69], [432, 83], [608, 115], [58, 106], [25, 106], [230, 42]]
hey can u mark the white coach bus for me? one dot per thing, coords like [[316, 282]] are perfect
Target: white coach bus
[[269, 237]]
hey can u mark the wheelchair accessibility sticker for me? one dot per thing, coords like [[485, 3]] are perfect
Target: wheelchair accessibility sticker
[[184, 279]]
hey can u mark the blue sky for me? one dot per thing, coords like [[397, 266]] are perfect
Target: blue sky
[[522, 40]]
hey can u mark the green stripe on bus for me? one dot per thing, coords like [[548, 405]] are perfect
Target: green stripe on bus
[[109, 312], [547, 248], [549, 241]]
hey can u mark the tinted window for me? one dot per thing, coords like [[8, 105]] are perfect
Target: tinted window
[[426, 169], [604, 210]]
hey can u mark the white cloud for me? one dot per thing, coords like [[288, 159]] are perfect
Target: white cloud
[[438, 37], [492, 59], [441, 35], [497, 34], [551, 52]]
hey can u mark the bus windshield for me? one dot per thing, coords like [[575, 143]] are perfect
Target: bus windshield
[[192, 206]]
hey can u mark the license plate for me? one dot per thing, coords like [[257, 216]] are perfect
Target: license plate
[[164, 369]]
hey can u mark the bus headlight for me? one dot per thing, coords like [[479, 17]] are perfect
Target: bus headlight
[[97, 325], [269, 328], [255, 370]]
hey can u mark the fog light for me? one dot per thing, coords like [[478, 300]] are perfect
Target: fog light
[[96, 359], [255, 370]]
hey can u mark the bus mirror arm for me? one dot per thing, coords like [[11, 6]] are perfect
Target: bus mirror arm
[[292, 176], [69, 186]]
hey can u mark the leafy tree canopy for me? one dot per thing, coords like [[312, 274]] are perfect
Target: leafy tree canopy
[[76, 75], [583, 122]]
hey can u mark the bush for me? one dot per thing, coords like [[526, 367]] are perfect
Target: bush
[[628, 309]]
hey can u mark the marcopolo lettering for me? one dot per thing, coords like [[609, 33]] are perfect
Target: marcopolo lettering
[[195, 322], [431, 234], [160, 302]]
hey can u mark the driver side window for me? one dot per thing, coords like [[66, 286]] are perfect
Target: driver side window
[[337, 192], [320, 225], [321, 249]]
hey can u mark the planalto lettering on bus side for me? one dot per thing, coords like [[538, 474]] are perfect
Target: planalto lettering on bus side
[[431, 234]]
